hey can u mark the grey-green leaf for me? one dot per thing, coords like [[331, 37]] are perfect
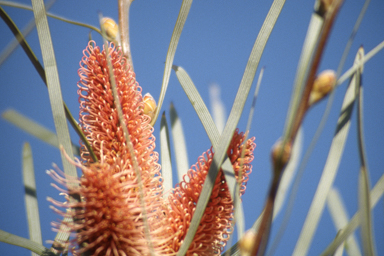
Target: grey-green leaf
[[183, 14], [34, 128], [329, 172], [166, 163], [179, 144], [31, 204]]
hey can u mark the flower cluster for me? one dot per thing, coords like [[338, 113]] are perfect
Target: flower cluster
[[118, 216]]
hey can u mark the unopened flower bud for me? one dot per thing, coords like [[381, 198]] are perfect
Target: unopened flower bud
[[246, 242], [324, 83], [111, 28], [280, 155], [149, 105]]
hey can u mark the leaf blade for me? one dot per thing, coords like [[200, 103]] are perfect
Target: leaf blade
[[179, 144], [34, 129], [181, 19], [329, 172], [234, 117], [30, 197], [166, 163], [54, 92]]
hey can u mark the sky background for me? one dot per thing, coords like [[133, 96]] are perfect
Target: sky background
[[214, 48]]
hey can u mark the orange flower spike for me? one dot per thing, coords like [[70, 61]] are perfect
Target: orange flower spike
[[109, 220], [98, 114], [215, 226], [113, 224]]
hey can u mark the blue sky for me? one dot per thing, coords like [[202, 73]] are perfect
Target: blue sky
[[214, 48]]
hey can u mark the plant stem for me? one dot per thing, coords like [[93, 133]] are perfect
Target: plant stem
[[124, 6]]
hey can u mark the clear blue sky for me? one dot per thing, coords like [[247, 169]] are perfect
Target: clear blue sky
[[214, 48]]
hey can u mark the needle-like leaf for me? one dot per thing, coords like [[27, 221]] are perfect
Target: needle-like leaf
[[166, 163], [31, 205]]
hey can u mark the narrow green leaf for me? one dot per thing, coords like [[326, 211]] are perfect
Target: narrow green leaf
[[240, 216], [54, 91], [366, 58], [58, 17], [233, 119], [340, 250], [213, 134], [320, 128], [27, 29], [27, 49], [302, 72], [40, 70], [365, 214], [183, 14], [340, 220], [53, 84], [31, 204], [351, 37], [374, 196], [33, 128], [166, 162], [329, 172], [366, 219], [198, 104], [179, 144], [60, 244], [37, 248], [217, 107]]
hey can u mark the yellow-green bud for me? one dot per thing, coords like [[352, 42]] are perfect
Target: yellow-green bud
[[324, 83]]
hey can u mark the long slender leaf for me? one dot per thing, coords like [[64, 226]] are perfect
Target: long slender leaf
[[27, 7], [236, 196], [217, 107], [366, 219], [31, 205], [306, 57], [374, 196], [366, 58], [340, 250], [54, 91], [212, 132], [53, 84], [179, 144], [183, 14], [33, 128], [351, 37], [199, 105], [340, 219], [233, 119], [25, 243], [365, 214], [320, 127], [15, 42], [165, 148], [40, 70], [329, 172]]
